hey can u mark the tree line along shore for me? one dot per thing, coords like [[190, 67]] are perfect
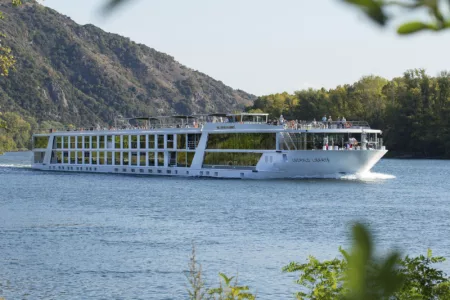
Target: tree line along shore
[[412, 111]]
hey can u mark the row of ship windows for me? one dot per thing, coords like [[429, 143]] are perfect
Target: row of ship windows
[[125, 170], [172, 141], [146, 159], [179, 159], [243, 141]]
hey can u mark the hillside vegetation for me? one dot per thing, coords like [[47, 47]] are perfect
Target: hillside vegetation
[[82, 75]]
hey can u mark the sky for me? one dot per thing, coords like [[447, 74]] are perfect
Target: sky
[[268, 46]]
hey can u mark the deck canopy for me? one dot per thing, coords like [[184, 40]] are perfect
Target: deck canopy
[[249, 117]]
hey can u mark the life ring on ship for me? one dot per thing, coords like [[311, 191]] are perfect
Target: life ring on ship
[[348, 125]]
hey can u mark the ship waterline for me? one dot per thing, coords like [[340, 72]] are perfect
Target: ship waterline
[[221, 146]]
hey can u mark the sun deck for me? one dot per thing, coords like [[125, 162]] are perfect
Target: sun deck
[[194, 123]]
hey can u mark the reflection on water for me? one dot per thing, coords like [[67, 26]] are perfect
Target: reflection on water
[[80, 236]]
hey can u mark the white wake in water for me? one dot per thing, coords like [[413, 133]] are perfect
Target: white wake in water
[[15, 165], [368, 176]]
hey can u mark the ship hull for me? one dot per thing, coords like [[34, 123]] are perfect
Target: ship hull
[[272, 165]]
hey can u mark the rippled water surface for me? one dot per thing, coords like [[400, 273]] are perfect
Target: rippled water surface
[[91, 236]]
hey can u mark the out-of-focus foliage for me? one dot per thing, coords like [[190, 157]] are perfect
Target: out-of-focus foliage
[[361, 275], [411, 110], [228, 289], [381, 11]]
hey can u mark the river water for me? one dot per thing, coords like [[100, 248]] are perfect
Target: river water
[[93, 236]]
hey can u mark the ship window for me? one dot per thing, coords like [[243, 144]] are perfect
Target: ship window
[[142, 159], [86, 143], [231, 159], [95, 142], [172, 159], [65, 142], [116, 169], [56, 157], [117, 158], [182, 159], [101, 142], [40, 142], [151, 159], [58, 142], [125, 142], [216, 173], [141, 170], [125, 159], [72, 142], [150, 171], [159, 171], [193, 140], [134, 158], [72, 157], [181, 141], [109, 158], [190, 158], [169, 171], [109, 143], [101, 158], [151, 141], [133, 170], [79, 142], [263, 141], [142, 141], [160, 159], [160, 141], [87, 157], [117, 141], [134, 142], [170, 141], [94, 157], [79, 157], [65, 157]]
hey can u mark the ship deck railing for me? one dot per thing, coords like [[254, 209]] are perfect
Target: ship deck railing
[[326, 125], [287, 125]]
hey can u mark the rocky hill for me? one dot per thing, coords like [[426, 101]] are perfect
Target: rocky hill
[[82, 75]]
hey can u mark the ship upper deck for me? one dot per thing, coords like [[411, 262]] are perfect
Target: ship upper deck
[[212, 122]]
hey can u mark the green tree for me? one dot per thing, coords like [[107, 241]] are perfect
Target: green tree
[[17, 129], [7, 60], [6, 143]]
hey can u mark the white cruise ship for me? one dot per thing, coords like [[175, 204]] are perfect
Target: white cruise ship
[[242, 145]]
